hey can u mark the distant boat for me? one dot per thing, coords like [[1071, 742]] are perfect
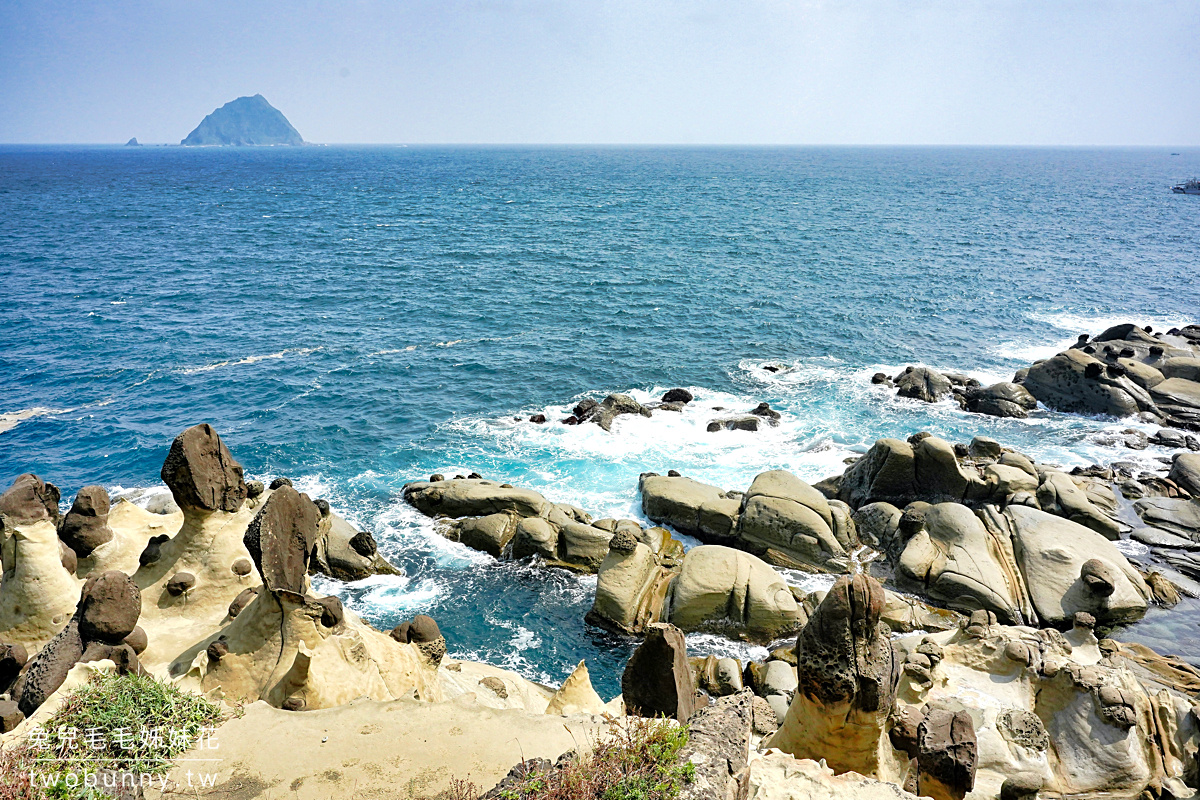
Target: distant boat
[[1188, 187]]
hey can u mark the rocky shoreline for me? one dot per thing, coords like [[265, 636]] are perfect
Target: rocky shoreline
[[963, 649]]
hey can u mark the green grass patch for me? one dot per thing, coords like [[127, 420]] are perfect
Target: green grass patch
[[637, 759], [123, 723]]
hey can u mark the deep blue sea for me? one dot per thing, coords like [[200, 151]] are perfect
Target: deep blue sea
[[359, 317]]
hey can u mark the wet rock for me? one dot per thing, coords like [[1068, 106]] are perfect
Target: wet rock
[[85, 527], [201, 472], [657, 680], [538, 419], [922, 383], [677, 396], [765, 411], [612, 407], [999, 400]]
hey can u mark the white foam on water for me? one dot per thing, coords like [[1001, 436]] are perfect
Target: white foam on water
[[301, 351], [709, 644], [12, 419], [1093, 324], [807, 582], [1131, 548]]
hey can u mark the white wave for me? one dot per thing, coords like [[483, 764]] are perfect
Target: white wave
[[301, 351], [12, 419], [1093, 324], [1131, 548], [709, 644]]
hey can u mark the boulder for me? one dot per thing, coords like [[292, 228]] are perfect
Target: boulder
[[657, 681], [1052, 553], [782, 512], [877, 524], [899, 472], [999, 400], [85, 527], [677, 396], [1077, 382], [12, 659], [615, 405], [922, 383], [201, 472], [462, 497], [690, 507], [955, 560], [29, 500], [347, 554], [946, 754], [846, 683], [280, 539], [1185, 472], [729, 590]]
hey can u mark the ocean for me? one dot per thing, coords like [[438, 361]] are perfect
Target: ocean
[[358, 317]]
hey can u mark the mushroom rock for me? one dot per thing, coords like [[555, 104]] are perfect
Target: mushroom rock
[[657, 680], [107, 613], [207, 484], [37, 592], [201, 472], [85, 527], [30, 500], [294, 650], [423, 632], [847, 676], [632, 583]]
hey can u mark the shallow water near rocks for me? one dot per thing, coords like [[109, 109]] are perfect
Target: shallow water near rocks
[[356, 318]]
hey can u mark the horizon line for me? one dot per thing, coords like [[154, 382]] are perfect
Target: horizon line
[[606, 144]]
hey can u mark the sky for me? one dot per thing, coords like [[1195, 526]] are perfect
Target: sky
[[958, 72]]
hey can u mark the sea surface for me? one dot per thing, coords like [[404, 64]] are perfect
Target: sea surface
[[358, 317]]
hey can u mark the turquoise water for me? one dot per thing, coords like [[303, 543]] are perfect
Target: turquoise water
[[356, 318]]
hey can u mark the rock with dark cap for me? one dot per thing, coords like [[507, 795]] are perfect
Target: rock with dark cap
[[239, 603], [677, 396], [108, 610], [29, 500], [657, 681], [1098, 576], [109, 607], [946, 755], [281, 537], [201, 472], [180, 582], [12, 658], [275, 484], [85, 527]]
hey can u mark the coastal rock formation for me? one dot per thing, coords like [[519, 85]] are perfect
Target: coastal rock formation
[[657, 680], [780, 518], [518, 523], [29, 500], [108, 611], [244, 121], [345, 553], [294, 650], [85, 527], [847, 677], [37, 592]]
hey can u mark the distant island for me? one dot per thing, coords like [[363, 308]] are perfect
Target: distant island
[[245, 121], [133, 143]]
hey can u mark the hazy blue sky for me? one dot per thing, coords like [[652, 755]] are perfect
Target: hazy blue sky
[[871, 71]]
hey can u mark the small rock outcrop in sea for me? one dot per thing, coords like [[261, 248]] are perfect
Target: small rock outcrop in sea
[[244, 121], [133, 143], [504, 521]]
